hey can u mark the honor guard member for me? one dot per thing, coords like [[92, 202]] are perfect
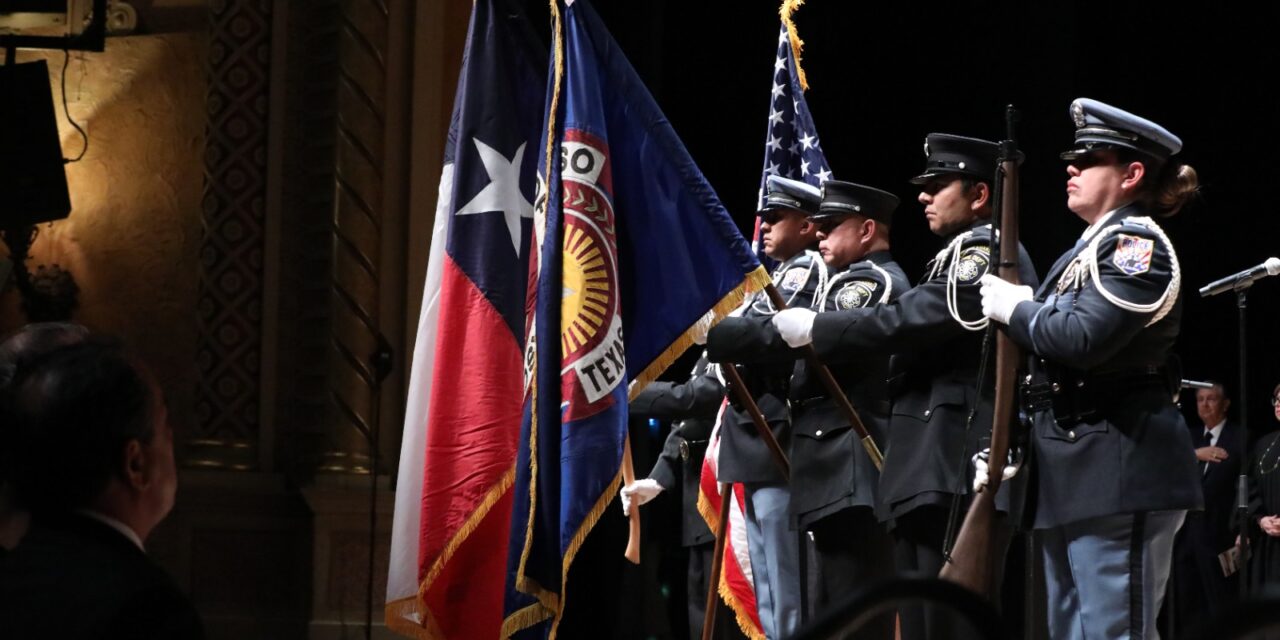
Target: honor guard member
[[788, 236], [1112, 468], [935, 333], [833, 481], [693, 404]]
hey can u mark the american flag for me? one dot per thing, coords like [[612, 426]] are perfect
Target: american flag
[[791, 147]]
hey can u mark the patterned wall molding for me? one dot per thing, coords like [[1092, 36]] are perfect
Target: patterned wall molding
[[231, 254]]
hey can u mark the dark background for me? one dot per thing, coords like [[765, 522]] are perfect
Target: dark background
[[883, 75]]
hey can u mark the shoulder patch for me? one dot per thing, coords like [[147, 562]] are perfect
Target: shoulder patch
[[1133, 254], [856, 294], [794, 279], [973, 264]]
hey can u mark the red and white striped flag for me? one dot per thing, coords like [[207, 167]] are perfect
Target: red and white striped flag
[[736, 587]]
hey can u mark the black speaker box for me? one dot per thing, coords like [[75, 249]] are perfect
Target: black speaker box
[[33, 182]]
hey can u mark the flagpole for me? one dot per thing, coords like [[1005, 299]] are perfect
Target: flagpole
[[833, 388], [717, 562], [740, 389], [629, 477]]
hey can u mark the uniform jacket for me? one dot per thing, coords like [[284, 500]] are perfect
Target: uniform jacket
[[693, 405], [744, 457], [830, 469], [1102, 326], [935, 371]]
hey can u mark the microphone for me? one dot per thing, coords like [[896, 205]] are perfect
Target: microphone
[[1196, 384], [1241, 280]]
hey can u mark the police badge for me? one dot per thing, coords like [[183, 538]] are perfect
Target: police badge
[[855, 295], [1133, 254], [973, 264], [794, 279]]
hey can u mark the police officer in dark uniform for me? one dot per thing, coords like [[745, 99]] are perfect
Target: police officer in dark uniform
[[788, 236], [935, 333], [833, 481], [1112, 467], [693, 404]]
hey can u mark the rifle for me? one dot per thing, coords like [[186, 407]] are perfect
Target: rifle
[[972, 563]]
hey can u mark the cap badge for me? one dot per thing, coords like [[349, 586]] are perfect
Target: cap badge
[[1077, 113]]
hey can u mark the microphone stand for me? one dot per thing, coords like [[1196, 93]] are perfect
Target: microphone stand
[[1241, 290], [1242, 482]]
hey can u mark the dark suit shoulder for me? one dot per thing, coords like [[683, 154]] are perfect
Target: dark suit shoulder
[[84, 566]]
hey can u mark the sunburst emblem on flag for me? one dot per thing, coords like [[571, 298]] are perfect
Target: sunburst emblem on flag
[[588, 286]]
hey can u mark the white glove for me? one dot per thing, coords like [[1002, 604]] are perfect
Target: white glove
[[981, 473], [795, 326], [1000, 298], [641, 491]]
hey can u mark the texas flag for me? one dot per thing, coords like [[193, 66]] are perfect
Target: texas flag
[[453, 498]]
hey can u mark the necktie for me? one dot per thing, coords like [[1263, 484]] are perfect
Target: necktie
[[1206, 441]]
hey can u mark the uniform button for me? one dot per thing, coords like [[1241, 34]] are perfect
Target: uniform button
[[927, 412], [1056, 388], [1071, 434], [818, 433]]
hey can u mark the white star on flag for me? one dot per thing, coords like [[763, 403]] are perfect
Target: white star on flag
[[502, 194]]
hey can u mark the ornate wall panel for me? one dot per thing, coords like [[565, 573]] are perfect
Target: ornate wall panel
[[231, 257]]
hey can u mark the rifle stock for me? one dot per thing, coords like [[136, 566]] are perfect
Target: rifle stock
[[974, 560]]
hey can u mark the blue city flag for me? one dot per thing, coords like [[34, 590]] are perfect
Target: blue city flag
[[636, 256], [791, 146]]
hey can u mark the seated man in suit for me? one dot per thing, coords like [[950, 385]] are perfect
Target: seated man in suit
[[89, 451]]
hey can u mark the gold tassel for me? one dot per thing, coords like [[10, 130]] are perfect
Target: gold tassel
[[789, 7]]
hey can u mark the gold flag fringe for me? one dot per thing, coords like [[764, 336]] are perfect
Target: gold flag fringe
[[406, 608], [789, 7], [523, 619], [400, 616], [754, 282], [712, 517], [548, 601], [579, 537], [739, 609]]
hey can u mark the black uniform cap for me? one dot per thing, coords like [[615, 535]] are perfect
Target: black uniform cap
[[946, 154], [841, 198], [785, 193]]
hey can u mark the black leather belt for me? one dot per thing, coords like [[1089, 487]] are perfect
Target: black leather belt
[[1078, 398], [880, 407], [686, 447]]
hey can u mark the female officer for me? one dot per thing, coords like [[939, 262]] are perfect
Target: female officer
[[1114, 475]]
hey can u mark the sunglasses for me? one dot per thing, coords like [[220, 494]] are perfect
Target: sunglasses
[[827, 225], [771, 217], [1088, 160]]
